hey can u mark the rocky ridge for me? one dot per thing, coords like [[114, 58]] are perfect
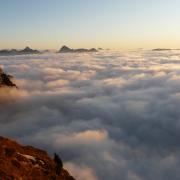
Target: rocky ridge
[[19, 162], [66, 49], [25, 51]]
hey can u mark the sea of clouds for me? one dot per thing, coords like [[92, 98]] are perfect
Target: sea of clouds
[[110, 115]]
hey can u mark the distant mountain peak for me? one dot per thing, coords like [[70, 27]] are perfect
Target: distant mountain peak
[[66, 49], [26, 50]]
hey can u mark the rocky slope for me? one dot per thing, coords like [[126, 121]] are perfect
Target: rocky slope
[[19, 162]]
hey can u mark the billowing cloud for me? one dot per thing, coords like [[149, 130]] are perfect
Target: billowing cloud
[[81, 172], [110, 115]]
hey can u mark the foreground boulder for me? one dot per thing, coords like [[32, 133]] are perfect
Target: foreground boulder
[[27, 163]]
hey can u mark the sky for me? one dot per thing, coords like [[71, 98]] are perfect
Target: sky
[[47, 24]]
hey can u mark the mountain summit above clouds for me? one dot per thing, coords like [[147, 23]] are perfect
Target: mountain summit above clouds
[[66, 49], [5, 80], [26, 162], [25, 51], [28, 50]]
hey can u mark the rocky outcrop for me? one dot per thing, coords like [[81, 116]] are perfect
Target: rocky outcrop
[[19, 162], [66, 49], [27, 50], [6, 80]]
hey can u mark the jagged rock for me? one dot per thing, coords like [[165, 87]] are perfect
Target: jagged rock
[[5, 80], [26, 162], [66, 49]]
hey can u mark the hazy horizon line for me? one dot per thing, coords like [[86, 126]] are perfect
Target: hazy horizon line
[[85, 47]]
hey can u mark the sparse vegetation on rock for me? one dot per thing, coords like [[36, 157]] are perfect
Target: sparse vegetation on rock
[[26, 162]]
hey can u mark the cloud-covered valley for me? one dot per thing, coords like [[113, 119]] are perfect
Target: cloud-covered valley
[[110, 115]]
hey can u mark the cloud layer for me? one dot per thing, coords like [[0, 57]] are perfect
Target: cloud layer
[[111, 115]]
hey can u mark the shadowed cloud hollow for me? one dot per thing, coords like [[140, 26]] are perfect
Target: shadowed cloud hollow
[[113, 115]]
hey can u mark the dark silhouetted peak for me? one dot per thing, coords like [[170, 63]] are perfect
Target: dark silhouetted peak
[[93, 50], [5, 80], [161, 49], [14, 51], [4, 51], [28, 50], [82, 50], [27, 162], [100, 49], [66, 49]]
